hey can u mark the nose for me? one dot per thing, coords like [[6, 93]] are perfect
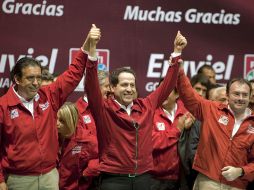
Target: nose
[[36, 82], [128, 88], [58, 124]]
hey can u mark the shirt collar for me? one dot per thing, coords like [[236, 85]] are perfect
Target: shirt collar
[[123, 106], [85, 99], [23, 100], [171, 115], [247, 112]]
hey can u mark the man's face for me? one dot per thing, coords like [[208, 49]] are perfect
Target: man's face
[[125, 91], [30, 82], [105, 87], [222, 96], [210, 74], [200, 89], [252, 93], [238, 97], [218, 94]]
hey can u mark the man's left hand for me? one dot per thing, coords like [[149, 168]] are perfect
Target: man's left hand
[[231, 173]]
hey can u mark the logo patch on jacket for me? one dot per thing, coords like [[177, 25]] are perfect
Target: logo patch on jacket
[[250, 129], [14, 113], [44, 106], [223, 120], [76, 150], [87, 119], [160, 126]]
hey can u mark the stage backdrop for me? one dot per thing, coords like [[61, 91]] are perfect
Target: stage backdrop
[[136, 34]]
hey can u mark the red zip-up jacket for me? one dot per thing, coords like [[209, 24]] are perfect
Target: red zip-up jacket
[[79, 153], [29, 145], [217, 148], [165, 137], [125, 142]]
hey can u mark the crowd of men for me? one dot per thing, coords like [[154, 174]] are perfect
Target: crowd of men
[[187, 134]]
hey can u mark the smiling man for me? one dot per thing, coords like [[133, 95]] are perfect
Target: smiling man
[[29, 142], [225, 154], [124, 124]]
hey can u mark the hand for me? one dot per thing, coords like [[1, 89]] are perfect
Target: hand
[[3, 186], [231, 173], [190, 119], [185, 121], [94, 35], [179, 43], [91, 41]]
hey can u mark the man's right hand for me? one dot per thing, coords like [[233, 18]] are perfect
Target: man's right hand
[[3, 186], [179, 43], [92, 39]]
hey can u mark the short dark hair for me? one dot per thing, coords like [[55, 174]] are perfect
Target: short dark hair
[[21, 64], [115, 74], [202, 79], [201, 69], [46, 75], [240, 80]]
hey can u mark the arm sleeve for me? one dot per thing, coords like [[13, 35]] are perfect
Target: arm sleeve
[[67, 82], [249, 168], [157, 97], [92, 168], [193, 102], [1, 168]]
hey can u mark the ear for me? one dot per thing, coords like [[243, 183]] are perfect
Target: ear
[[17, 79], [112, 88]]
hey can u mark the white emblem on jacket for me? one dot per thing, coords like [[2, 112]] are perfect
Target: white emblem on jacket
[[14, 113], [87, 119], [250, 129], [76, 150], [44, 106], [160, 126], [223, 120]]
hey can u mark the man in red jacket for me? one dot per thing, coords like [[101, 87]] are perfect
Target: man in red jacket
[[29, 144], [225, 153], [124, 124], [169, 120]]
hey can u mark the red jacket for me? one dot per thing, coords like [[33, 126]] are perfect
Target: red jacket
[[79, 155], [29, 144], [216, 148], [165, 137], [125, 143]]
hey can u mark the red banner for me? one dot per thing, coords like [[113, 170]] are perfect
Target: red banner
[[137, 34]]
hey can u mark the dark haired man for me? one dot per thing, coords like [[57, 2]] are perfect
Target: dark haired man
[[225, 154], [208, 71], [124, 124], [46, 77], [28, 112]]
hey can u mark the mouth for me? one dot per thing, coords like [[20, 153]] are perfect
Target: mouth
[[128, 95]]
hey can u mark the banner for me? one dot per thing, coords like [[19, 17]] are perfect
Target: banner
[[136, 34]]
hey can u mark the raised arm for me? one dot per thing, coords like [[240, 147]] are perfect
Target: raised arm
[[157, 97], [67, 82], [3, 185], [92, 86], [191, 99]]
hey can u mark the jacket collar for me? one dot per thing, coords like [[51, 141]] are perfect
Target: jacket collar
[[117, 108], [82, 105]]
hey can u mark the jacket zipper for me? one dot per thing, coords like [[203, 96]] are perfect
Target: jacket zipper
[[135, 125]]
